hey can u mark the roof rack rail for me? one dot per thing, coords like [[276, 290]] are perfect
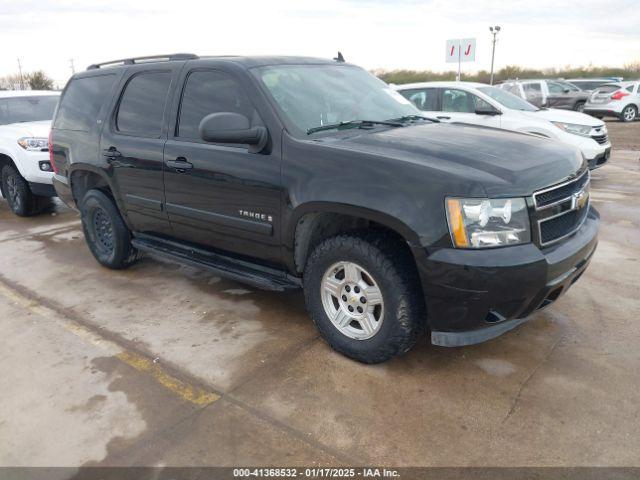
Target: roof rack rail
[[151, 58]]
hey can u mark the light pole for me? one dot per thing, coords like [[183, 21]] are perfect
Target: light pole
[[494, 31]]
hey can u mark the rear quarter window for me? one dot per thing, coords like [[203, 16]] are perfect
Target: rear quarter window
[[81, 102]]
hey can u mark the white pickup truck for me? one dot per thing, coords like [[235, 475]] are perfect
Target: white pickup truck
[[25, 169]]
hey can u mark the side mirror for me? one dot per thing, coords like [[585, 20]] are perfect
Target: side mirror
[[567, 90], [229, 127], [487, 110]]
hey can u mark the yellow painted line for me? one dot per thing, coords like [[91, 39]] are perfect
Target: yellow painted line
[[182, 389], [141, 363]]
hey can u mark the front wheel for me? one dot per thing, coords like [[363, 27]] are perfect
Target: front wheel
[[579, 107], [363, 294], [106, 234], [21, 201], [629, 113]]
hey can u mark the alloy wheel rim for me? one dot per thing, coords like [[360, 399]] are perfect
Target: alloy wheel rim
[[13, 192], [629, 114], [352, 300], [103, 230]]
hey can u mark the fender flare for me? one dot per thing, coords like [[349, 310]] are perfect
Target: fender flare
[[86, 167], [382, 218]]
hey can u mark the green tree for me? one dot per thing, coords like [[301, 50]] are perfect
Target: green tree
[[39, 81]]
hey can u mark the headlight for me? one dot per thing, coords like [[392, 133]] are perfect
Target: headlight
[[33, 144], [583, 130], [483, 222]]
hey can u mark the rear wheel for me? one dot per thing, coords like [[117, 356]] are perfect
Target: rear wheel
[[579, 106], [363, 295], [629, 113], [19, 197], [108, 237]]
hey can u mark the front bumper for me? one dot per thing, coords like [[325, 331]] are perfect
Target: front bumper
[[599, 160], [475, 295]]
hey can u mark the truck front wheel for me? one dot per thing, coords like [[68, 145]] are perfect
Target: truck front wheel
[[362, 293], [16, 189]]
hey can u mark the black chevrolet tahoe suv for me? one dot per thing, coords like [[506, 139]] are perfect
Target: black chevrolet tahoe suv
[[287, 173]]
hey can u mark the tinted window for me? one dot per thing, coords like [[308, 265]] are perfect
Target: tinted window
[[457, 101], [424, 98], [555, 87], [27, 109], [81, 102], [142, 106], [629, 88], [210, 92]]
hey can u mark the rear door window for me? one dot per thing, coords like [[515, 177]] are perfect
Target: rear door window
[[81, 102], [425, 99], [141, 110]]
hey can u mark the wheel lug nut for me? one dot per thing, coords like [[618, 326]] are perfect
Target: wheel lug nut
[[350, 308], [363, 300], [347, 288], [356, 289], [344, 298], [359, 309]]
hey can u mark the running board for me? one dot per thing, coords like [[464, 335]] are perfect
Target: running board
[[242, 271]]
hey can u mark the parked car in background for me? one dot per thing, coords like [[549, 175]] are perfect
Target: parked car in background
[[620, 100], [288, 172], [25, 168], [548, 93], [589, 84], [481, 104]]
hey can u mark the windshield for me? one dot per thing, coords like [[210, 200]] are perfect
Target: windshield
[[27, 109], [507, 99], [311, 96]]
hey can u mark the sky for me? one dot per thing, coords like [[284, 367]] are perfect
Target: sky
[[375, 34]]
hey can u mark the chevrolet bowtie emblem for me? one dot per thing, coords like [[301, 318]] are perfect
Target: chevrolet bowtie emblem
[[579, 199]]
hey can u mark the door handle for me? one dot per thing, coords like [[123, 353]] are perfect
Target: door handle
[[112, 154], [180, 164], [443, 117]]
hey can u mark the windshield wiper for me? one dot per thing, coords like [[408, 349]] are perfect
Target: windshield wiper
[[353, 123], [408, 118]]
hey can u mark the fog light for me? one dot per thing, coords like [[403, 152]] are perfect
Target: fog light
[[46, 166]]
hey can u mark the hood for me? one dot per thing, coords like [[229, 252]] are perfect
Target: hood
[[26, 129], [503, 162], [565, 116]]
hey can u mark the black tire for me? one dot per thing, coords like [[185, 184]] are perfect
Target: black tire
[[17, 192], [629, 114], [393, 270], [108, 237], [579, 107]]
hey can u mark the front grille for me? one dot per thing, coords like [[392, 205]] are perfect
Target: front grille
[[561, 210], [601, 139], [562, 225], [553, 195]]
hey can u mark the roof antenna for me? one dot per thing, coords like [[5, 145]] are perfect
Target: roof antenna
[[339, 58]]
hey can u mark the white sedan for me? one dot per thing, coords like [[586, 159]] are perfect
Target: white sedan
[[481, 104]]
